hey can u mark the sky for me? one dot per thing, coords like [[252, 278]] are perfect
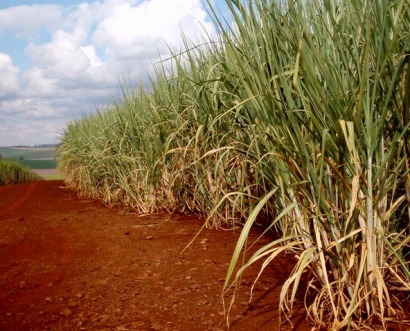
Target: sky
[[60, 60]]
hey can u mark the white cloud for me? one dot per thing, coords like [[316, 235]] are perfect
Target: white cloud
[[84, 16], [145, 30], [28, 21], [17, 132], [66, 56], [82, 53], [9, 83], [37, 84]]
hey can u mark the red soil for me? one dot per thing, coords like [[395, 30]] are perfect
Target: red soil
[[72, 264]]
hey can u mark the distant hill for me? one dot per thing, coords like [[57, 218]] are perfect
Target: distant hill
[[35, 146], [34, 157]]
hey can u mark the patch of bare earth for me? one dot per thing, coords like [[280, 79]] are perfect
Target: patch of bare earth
[[72, 264], [46, 172]]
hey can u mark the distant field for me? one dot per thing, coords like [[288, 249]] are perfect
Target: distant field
[[27, 153], [38, 163], [40, 160], [48, 174]]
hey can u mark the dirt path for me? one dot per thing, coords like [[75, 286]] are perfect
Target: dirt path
[[71, 264]]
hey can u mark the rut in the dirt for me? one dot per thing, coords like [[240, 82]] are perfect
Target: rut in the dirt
[[72, 264]]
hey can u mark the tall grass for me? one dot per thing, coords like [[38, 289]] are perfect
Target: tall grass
[[296, 116], [13, 172], [333, 116]]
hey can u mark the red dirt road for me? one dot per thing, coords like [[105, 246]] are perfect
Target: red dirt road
[[72, 264]]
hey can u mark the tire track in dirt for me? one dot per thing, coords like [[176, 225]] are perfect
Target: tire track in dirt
[[12, 207], [71, 264], [32, 246], [46, 249]]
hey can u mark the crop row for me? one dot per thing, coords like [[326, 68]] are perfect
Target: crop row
[[13, 172], [296, 116]]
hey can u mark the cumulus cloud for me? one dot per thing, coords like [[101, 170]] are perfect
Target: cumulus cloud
[[9, 82], [66, 57], [38, 85], [143, 30], [17, 132], [27, 21], [79, 53]]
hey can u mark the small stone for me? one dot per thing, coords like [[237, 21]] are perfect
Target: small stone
[[67, 312], [149, 237], [157, 326], [104, 318], [195, 286], [137, 325], [72, 304]]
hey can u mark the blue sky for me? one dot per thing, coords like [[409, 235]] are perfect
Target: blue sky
[[62, 59], [12, 3]]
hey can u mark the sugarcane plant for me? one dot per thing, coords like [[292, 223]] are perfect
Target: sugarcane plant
[[294, 115], [332, 113]]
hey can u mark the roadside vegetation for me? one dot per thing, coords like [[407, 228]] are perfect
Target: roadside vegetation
[[40, 160], [12, 172], [296, 117]]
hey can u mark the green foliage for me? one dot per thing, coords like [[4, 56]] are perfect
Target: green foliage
[[13, 172], [39, 164], [296, 117]]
